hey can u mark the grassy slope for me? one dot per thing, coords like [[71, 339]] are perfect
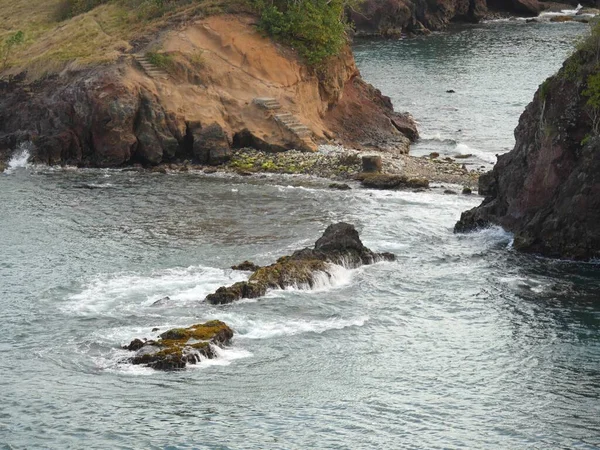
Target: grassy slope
[[97, 37]]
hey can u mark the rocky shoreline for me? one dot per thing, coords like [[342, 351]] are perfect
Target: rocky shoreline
[[340, 167]]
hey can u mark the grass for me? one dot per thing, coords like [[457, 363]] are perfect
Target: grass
[[100, 36]]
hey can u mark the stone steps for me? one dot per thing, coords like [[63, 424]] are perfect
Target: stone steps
[[286, 119], [267, 103], [150, 69]]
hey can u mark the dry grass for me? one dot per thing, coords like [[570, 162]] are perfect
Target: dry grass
[[99, 36]]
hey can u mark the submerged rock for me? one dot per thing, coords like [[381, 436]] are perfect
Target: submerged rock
[[181, 346], [340, 244], [389, 181]]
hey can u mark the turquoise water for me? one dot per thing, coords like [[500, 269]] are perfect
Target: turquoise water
[[460, 343]]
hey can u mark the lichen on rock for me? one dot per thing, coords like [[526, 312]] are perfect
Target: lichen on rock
[[178, 347], [339, 245]]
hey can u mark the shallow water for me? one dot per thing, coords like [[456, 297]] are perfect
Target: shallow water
[[494, 69], [460, 343]]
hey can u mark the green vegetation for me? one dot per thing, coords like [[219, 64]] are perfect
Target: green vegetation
[[592, 92], [545, 89], [161, 60], [7, 47], [315, 28]]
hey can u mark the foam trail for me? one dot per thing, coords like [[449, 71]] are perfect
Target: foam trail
[[20, 158], [122, 292], [250, 329]]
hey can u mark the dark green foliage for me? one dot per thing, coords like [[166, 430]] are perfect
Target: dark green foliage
[[161, 60], [545, 89], [315, 28]]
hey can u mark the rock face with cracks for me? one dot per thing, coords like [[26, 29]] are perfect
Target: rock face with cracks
[[119, 114], [547, 189], [340, 244], [179, 347]]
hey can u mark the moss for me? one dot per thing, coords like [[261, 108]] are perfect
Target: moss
[[545, 89], [175, 350], [584, 141]]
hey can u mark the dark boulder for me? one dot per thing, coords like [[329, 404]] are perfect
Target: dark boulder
[[340, 244], [371, 164], [247, 266], [179, 347]]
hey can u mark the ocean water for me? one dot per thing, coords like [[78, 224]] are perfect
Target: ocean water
[[494, 69], [460, 343]]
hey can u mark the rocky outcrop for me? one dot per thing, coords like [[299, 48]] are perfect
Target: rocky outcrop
[[176, 348], [391, 181], [395, 17], [547, 189], [390, 18], [113, 115], [340, 244]]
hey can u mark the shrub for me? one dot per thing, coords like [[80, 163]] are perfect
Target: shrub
[[592, 92], [315, 28]]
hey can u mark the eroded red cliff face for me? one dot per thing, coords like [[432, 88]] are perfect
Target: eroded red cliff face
[[547, 189], [120, 114]]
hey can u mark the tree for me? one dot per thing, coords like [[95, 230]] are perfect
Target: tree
[[8, 45]]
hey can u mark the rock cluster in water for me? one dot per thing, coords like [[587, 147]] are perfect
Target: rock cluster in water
[[547, 189], [177, 348], [340, 244]]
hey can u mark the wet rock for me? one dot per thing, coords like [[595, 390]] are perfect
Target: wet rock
[[449, 192], [211, 145], [387, 181], [561, 19], [434, 155], [161, 301], [371, 164], [465, 156], [450, 91], [340, 244], [406, 125], [547, 189], [340, 186], [181, 346], [247, 266], [155, 329], [135, 345], [467, 191]]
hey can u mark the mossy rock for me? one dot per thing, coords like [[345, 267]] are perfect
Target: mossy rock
[[340, 244], [178, 347]]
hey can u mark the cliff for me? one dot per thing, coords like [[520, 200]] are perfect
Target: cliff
[[547, 189], [192, 88], [396, 17]]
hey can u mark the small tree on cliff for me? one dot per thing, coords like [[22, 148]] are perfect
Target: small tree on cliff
[[592, 92], [7, 47]]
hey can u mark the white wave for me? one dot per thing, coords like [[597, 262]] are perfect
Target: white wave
[[526, 284], [225, 356], [493, 235], [335, 276], [130, 291], [20, 158], [464, 149], [251, 329]]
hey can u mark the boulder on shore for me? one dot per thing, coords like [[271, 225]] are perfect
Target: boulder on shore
[[181, 346], [340, 244]]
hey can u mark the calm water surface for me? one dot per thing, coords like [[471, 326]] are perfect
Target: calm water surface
[[460, 343]]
